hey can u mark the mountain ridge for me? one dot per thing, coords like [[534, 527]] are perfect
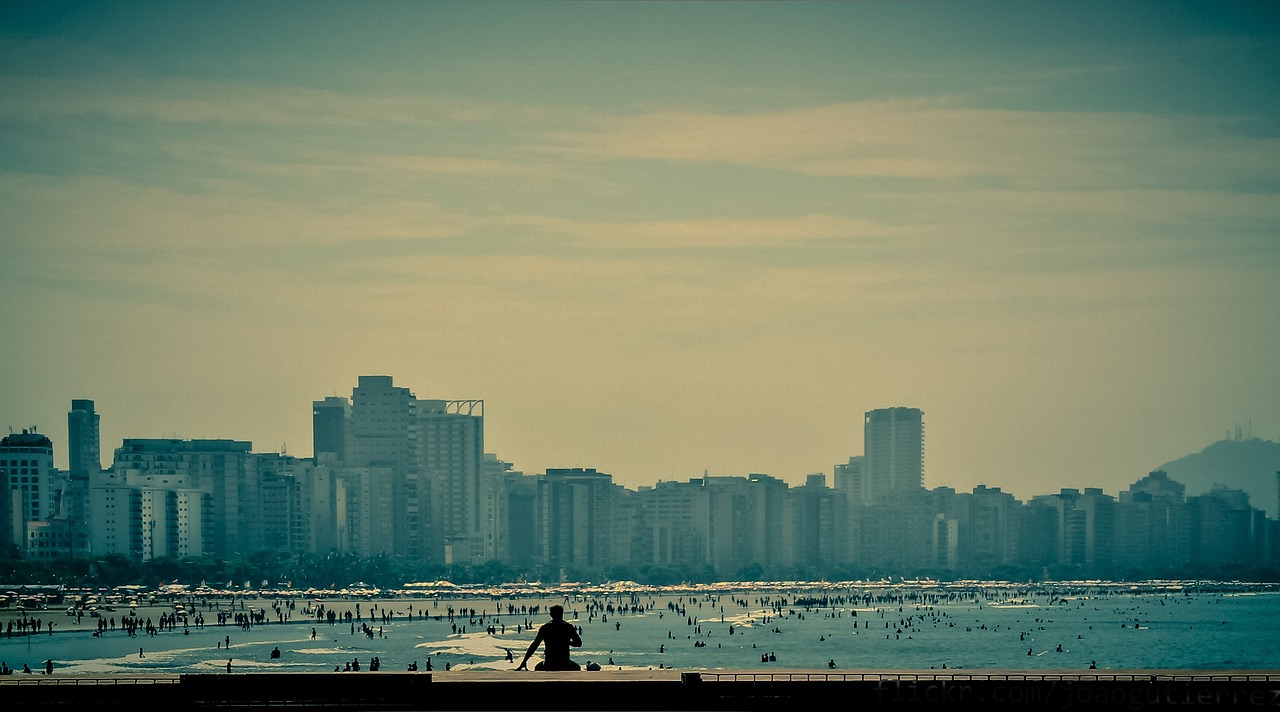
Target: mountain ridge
[[1247, 464]]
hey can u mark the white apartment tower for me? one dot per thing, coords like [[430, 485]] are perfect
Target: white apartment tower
[[223, 514], [380, 433], [30, 484], [893, 455]]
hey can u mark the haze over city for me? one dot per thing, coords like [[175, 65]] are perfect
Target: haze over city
[[656, 239]]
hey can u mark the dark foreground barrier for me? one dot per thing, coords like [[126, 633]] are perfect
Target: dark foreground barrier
[[657, 690]]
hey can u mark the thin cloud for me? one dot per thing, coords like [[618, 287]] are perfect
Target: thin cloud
[[720, 232], [927, 139], [182, 101]]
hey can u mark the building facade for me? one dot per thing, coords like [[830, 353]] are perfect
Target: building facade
[[893, 453], [30, 485]]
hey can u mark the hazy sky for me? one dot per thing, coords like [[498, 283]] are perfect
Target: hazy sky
[[656, 238]]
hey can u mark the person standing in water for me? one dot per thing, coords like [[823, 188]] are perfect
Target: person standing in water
[[559, 636]]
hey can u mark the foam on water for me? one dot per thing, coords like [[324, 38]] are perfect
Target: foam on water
[[473, 644]]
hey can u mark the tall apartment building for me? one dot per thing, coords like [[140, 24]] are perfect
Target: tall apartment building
[[519, 493], [450, 437], [819, 516], [115, 510], [84, 446], [364, 511], [1223, 526], [224, 471], [747, 524], [895, 533], [847, 478], [318, 491], [574, 509], [494, 504], [989, 534], [1100, 527], [893, 453], [381, 434], [435, 451], [1152, 525], [30, 485], [626, 527], [84, 454], [160, 531], [286, 516], [674, 529], [1086, 525], [329, 419]]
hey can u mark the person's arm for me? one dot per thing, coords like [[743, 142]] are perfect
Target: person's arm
[[574, 640], [532, 647]]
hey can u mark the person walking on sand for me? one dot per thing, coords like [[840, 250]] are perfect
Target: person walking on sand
[[559, 636]]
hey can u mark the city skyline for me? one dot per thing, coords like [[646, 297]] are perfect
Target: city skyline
[[404, 476], [656, 239], [65, 452]]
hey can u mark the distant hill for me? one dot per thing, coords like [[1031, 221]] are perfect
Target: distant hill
[[1248, 465]]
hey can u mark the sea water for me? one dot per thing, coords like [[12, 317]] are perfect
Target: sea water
[[742, 630]]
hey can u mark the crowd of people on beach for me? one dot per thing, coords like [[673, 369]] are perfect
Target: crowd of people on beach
[[699, 620], [770, 610], [26, 626]]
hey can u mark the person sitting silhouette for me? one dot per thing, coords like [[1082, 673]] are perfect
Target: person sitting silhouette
[[559, 636]]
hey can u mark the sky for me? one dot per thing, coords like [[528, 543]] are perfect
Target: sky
[[659, 239]]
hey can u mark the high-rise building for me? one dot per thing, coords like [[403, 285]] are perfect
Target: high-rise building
[[519, 522], [847, 478], [116, 513], [494, 502], [893, 453], [1085, 525], [364, 510], [84, 455], [674, 531], [989, 537], [29, 484], [329, 419], [746, 529], [574, 508], [450, 438], [1152, 524], [286, 516], [84, 443], [819, 519], [435, 451], [381, 434], [229, 520]]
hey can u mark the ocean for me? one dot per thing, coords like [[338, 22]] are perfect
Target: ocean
[[753, 627]]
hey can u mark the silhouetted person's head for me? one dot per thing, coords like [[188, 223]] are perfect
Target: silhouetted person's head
[[556, 611]]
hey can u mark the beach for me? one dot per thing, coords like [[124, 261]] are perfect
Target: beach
[[636, 628]]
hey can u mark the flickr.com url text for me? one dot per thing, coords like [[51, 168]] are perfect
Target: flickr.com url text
[[1073, 694]]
